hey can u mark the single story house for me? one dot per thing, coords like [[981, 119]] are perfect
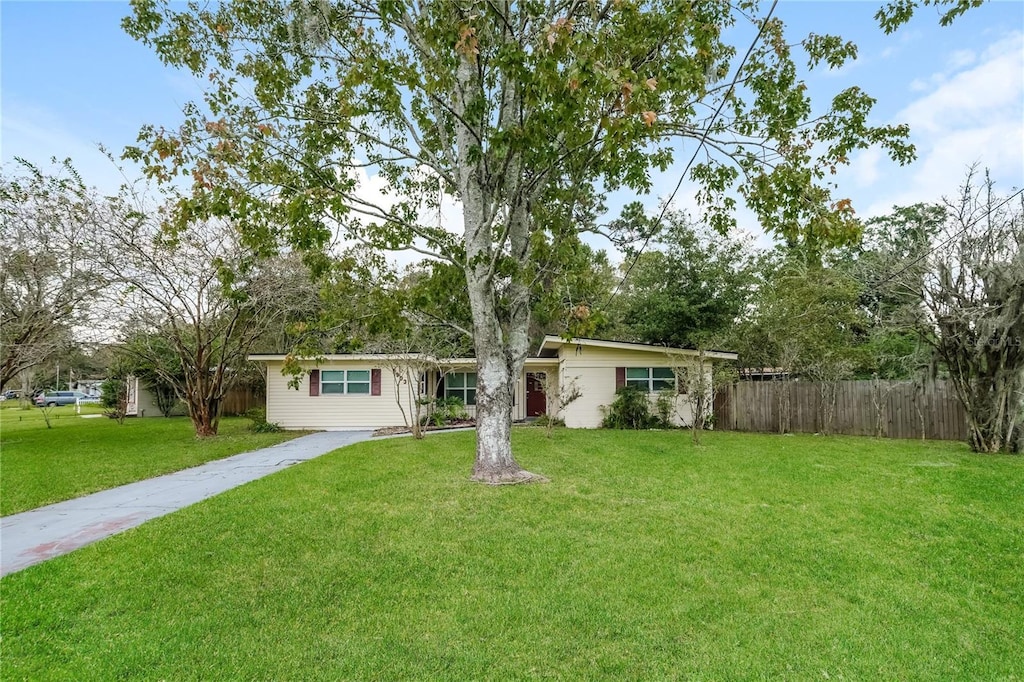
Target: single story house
[[353, 391], [142, 402]]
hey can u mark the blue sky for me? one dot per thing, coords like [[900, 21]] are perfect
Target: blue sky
[[70, 78]]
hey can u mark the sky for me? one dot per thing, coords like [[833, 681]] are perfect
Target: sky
[[70, 79]]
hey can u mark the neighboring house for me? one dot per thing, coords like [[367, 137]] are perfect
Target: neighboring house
[[140, 401], [763, 374], [354, 391], [90, 387]]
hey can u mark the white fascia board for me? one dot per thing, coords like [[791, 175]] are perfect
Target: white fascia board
[[556, 342], [336, 357]]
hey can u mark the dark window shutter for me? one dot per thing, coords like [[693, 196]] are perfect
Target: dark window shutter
[[620, 377], [314, 382], [374, 382], [682, 380]]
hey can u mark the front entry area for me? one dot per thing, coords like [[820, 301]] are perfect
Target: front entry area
[[536, 398]]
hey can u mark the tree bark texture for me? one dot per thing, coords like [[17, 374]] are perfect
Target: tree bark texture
[[501, 344]]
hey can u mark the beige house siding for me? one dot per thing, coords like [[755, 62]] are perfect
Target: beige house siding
[[593, 369], [590, 365], [296, 409], [148, 408], [145, 403]]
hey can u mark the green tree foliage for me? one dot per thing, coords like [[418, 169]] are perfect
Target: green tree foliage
[[893, 244], [435, 301], [570, 300], [806, 319], [693, 285], [898, 12], [356, 300], [526, 112]]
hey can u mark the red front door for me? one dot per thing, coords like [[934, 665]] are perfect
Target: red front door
[[536, 399]]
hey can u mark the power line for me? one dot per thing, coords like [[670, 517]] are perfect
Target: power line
[[988, 212], [700, 145]]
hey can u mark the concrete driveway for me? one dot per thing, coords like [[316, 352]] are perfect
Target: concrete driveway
[[34, 536]]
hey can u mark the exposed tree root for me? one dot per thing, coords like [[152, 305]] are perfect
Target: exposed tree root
[[507, 477]]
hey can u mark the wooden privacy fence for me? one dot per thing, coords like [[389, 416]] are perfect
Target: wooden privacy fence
[[240, 399], [892, 409]]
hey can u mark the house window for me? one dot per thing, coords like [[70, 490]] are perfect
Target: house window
[[650, 379], [345, 381], [461, 385]]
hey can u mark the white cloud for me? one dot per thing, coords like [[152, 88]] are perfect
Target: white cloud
[[961, 59], [865, 167], [966, 115], [940, 171], [990, 90], [919, 85]]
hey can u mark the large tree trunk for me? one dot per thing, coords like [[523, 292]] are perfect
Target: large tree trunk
[[991, 396], [501, 344], [494, 463], [205, 416], [500, 357], [202, 395], [991, 417]]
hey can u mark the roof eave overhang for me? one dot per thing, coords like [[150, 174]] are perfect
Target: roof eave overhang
[[556, 342]]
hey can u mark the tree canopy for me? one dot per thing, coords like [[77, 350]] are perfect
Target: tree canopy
[[969, 290], [527, 112], [49, 281], [198, 302], [694, 284]]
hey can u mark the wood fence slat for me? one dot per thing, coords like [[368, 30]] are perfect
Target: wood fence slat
[[759, 406]]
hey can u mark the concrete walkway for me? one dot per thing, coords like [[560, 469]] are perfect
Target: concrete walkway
[[34, 536]]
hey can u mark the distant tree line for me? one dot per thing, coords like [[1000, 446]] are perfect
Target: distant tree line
[[928, 291]]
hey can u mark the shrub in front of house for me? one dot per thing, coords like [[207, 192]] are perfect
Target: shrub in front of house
[[631, 409], [446, 411], [258, 417]]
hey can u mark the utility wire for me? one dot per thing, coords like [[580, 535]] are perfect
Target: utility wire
[[988, 212], [700, 145]]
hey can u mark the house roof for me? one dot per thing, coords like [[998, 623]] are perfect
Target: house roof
[[551, 344], [548, 350], [376, 357], [271, 357]]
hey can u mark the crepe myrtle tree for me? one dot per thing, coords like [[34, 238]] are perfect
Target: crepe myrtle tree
[[526, 112], [199, 298], [418, 326]]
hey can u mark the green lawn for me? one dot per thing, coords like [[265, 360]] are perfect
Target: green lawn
[[80, 456], [753, 557]]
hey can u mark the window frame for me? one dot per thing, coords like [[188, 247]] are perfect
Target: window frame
[[647, 383], [345, 382], [463, 390]]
